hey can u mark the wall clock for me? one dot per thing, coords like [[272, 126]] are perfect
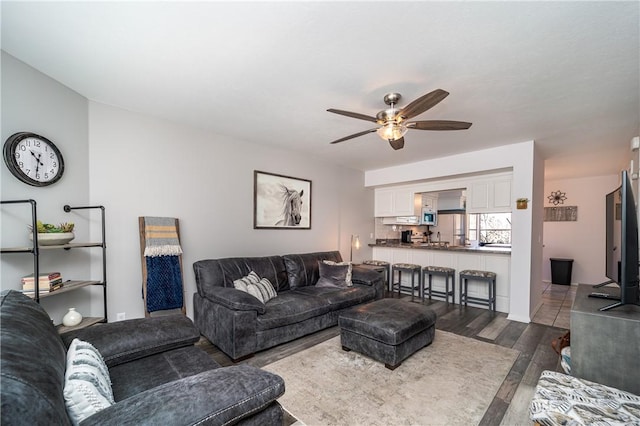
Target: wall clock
[[33, 159]]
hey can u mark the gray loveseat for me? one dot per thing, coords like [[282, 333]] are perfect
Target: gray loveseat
[[240, 325], [158, 376]]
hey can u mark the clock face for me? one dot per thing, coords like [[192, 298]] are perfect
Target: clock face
[[33, 159]]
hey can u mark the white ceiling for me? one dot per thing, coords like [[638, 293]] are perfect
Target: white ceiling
[[565, 74]]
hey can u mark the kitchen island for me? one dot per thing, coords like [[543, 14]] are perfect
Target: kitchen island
[[494, 259]]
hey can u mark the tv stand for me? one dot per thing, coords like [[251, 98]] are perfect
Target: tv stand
[[605, 344]]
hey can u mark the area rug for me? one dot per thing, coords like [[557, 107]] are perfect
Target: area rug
[[452, 381]]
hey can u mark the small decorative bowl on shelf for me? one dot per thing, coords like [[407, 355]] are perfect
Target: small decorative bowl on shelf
[[51, 235], [53, 239]]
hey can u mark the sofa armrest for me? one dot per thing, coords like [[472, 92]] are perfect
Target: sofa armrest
[[124, 341], [363, 276], [235, 299], [220, 396]]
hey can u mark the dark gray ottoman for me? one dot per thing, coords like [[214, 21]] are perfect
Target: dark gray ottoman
[[387, 330]]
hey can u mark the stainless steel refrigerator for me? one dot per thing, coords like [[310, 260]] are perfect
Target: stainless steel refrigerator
[[452, 228]]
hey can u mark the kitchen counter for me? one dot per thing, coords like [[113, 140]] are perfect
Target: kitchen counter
[[434, 246], [494, 259]]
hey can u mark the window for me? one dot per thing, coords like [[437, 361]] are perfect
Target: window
[[490, 228]]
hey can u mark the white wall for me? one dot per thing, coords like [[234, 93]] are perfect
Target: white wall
[[141, 166], [524, 160], [584, 239], [136, 165], [33, 102]]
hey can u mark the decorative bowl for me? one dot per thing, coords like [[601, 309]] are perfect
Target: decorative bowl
[[53, 238]]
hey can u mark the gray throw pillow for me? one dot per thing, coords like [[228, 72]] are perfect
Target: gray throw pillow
[[332, 275], [349, 272]]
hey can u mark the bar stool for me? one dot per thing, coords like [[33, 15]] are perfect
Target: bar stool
[[440, 271], [382, 264], [485, 276], [409, 268]]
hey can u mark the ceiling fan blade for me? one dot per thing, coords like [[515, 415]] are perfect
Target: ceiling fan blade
[[353, 115], [355, 135], [439, 125], [423, 103], [397, 144]]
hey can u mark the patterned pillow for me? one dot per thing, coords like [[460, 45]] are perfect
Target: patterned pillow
[[87, 385], [349, 271], [242, 283], [261, 289], [333, 275]]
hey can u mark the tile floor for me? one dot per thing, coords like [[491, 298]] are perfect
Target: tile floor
[[556, 305]]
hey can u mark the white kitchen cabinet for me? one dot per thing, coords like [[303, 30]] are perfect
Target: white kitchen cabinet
[[489, 196], [429, 202], [394, 202]]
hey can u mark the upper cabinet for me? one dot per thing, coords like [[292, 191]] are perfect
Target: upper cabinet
[[489, 196], [488, 193], [394, 202], [429, 202]]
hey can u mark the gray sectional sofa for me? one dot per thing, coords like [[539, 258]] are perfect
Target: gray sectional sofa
[[158, 376], [240, 325]]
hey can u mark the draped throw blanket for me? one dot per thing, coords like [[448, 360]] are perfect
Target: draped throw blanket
[[161, 237], [162, 256]]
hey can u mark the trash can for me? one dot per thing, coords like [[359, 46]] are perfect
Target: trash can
[[561, 271]]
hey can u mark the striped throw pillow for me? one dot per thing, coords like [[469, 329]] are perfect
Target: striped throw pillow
[[87, 385], [243, 283], [266, 289], [261, 289]]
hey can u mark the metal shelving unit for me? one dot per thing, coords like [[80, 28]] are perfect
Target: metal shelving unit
[[69, 285]]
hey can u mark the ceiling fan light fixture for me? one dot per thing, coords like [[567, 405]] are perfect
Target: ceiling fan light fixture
[[392, 131]]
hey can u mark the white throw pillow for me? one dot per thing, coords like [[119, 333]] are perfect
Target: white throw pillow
[[87, 385], [349, 271], [242, 283], [266, 289], [261, 289]]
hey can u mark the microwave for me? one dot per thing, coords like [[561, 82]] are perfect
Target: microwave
[[429, 217]]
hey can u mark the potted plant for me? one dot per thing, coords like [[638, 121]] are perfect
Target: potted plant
[[49, 234]]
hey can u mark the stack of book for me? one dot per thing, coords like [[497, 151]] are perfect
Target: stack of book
[[47, 282]]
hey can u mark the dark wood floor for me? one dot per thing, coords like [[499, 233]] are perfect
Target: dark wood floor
[[532, 340]]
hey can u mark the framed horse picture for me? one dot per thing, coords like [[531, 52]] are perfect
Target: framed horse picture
[[281, 202]]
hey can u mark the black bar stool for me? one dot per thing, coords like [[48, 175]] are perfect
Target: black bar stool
[[485, 276], [409, 268], [440, 271], [382, 264]]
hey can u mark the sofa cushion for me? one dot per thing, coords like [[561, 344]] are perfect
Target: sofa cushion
[[302, 269], [340, 298], [212, 273], [134, 377], [291, 307], [334, 275], [32, 364], [87, 386]]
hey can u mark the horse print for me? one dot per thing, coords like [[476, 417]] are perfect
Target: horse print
[[281, 202], [291, 207]]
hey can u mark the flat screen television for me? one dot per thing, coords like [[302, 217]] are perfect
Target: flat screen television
[[621, 245]]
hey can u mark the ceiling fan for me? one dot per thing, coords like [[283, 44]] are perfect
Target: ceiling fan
[[393, 120]]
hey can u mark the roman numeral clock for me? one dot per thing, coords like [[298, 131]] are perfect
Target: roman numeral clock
[[33, 159]]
